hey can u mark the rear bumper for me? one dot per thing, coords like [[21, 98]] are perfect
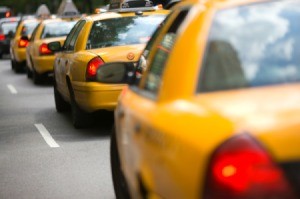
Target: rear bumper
[[94, 96], [43, 64], [19, 54]]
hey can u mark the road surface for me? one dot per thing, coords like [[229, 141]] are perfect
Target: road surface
[[41, 154]]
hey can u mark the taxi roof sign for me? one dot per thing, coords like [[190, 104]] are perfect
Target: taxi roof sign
[[43, 12], [67, 9], [130, 5]]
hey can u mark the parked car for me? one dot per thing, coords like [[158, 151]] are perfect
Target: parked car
[[118, 35], [216, 112], [4, 12], [39, 58], [7, 32], [20, 42]]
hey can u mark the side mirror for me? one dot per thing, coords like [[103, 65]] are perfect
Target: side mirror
[[55, 46], [10, 34], [25, 38], [116, 73]]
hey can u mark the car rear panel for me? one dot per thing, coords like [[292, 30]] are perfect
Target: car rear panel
[[120, 53], [271, 115]]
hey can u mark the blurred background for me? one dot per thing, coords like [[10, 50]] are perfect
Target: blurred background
[[19, 7], [30, 6]]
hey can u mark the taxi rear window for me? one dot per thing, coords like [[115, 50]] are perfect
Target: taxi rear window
[[57, 29], [9, 27], [254, 45], [28, 27], [123, 31]]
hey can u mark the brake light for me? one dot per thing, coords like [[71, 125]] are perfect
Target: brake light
[[44, 50], [2, 37], [159, 6], [241, 168], [7, 14], [93, 65], [23, 43]]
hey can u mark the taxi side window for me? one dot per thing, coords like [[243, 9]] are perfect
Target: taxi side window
[[72, 37], [143, 64], [32, 38], [156, 67], [76, 34]]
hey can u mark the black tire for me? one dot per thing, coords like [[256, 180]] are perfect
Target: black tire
[[13, 64], [18, 67], [80, 118], [1, 55], [28, 72], [60, 104], [37, 78], [119, 181]]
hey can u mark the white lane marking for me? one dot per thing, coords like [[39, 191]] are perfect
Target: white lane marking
[[12, 89], [46, 135]]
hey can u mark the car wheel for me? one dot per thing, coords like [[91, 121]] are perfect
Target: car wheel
[[1, 55], [18, 67], [28, 72], [37, 78], [60, 104], [80, 118], [119, 181], [13, 64]]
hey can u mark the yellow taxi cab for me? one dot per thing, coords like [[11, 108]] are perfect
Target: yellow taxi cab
[[215, 115], [39, 58], [19, 43], [118, 35]]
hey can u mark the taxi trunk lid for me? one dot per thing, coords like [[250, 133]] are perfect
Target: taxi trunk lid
[[271, 115], [128, 53], [60, 39]]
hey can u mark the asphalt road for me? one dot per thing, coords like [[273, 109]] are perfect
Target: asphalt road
[[41, 154]]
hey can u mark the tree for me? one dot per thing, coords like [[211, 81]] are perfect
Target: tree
[[30, 6]]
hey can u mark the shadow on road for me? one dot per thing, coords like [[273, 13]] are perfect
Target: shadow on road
[[60, 126]]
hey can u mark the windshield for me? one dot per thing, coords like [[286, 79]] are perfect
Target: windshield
[[57, 29], [123, 31], [9, 27], [252, 46], [29, 27]]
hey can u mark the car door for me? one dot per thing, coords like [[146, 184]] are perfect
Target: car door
[[139, 124], [30, 49], [64, 59]]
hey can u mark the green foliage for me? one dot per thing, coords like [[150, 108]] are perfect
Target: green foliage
[[30, 6]]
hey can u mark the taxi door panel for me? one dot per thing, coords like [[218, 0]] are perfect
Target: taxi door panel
[[143, 146], [63, 60], [151, 145], [59, 72]]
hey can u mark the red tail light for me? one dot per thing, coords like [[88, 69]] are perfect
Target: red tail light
[[23, 43], [2, 37], [241, 168], [7, 14], [93, 65], [44, 50]]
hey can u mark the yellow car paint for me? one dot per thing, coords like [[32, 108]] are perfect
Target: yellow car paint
[[70, 66], [43, 63], [18, 54], [166, 142]]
